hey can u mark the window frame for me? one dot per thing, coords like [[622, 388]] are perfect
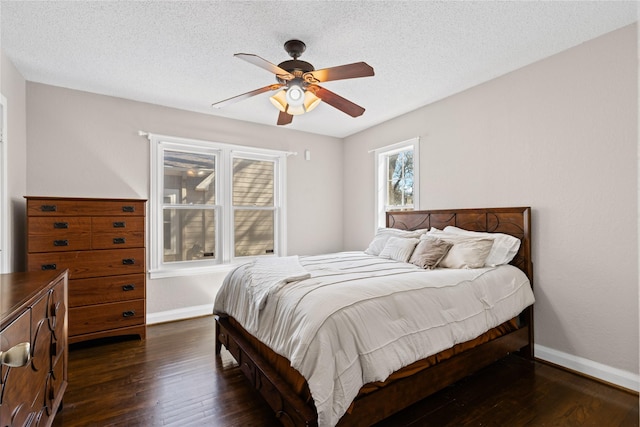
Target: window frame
[[381, 161], [4, 191], [225, 153]]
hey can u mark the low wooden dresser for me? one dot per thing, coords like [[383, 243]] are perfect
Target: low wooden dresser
[[102, 243], [33, 347]]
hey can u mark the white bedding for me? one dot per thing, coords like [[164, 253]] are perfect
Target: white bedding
[[358, 317]]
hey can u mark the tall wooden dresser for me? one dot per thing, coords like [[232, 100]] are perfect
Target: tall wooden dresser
[[102, 243], [33, 342]]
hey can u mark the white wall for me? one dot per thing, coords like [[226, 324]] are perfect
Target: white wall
[[86, 145], [12, 86], [560, 136]]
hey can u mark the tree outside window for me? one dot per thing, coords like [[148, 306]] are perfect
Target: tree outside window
[[397, 178], [400, 180]]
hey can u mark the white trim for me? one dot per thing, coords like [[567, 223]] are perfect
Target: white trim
[[180, 314], [616, 376], [194, 271], [4, 193]]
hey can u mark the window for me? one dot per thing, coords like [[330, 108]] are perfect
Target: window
[[213, 204], [397, 178]]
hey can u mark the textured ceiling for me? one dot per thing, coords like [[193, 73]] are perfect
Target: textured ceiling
[[180, 54]]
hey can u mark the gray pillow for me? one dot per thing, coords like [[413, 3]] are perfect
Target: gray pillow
[[429, 252]]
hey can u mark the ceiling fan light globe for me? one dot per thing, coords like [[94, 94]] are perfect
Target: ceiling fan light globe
[[295, 95], [310, 101], [279, 100], [295, 110]]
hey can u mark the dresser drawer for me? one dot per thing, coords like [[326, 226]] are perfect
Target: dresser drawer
[[90, 263], [58, 234], [100, 317], [16, 399], [106, 289], [117, 232], [80, 207], [16, 332]]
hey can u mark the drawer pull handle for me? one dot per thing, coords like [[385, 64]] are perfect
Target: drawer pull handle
[[17, 356], [119, 224], [128, 313], [60, 225], [60, 243], [48, 208], [49, 266], [119, 240], [128, 261], [128, 209], [129, 287]]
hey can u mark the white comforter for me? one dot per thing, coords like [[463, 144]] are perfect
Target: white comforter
[[358, 318]]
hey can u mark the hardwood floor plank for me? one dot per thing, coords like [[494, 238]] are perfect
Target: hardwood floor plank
[[173, 378]]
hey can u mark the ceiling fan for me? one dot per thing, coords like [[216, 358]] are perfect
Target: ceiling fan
[[298, 83]]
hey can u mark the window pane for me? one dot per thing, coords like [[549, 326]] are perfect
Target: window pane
[[400, 179], [190, 176], [254, 232], [189, 234], [253, 182]]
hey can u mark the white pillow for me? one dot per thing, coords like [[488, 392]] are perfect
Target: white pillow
[[399, 248], [504, 249], [384, 234], [468, 253]]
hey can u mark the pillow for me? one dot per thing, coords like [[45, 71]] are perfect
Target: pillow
[[383, 234], [504, 249], [467, 253], [399, 248], [429, 252]]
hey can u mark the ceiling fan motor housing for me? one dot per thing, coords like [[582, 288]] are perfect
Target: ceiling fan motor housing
[[295, 67]]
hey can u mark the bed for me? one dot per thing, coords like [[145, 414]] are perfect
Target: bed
[[288, 392]]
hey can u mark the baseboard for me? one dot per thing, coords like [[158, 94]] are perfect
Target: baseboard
[[179, 314], [618, 377]]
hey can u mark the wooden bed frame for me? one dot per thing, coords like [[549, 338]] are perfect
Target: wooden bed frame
[[370, 408]]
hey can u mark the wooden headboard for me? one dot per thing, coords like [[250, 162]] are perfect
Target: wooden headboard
[[513, 221]]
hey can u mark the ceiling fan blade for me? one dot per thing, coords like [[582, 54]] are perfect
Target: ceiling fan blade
[[244, 96], [263, 63], [284, 118], [341, 72], [337, 101]]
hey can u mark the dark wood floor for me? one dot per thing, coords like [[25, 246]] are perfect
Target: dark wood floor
[[174, 379]]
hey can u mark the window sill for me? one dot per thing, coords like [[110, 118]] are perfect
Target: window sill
[[193, 271]]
